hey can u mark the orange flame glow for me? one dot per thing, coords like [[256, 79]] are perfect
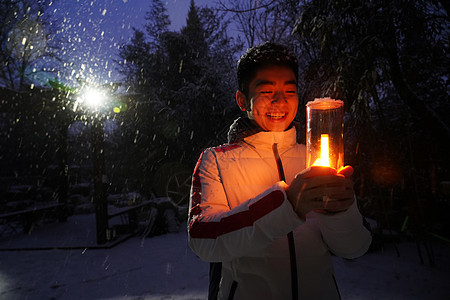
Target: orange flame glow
[[324, 159]]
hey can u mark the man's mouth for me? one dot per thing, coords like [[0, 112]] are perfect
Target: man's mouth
[[276, 115]]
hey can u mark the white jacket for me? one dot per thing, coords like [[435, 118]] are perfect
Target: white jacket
[[240, 216]]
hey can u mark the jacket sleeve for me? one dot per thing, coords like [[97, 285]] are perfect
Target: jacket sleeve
[[219, 233], [344, 233]]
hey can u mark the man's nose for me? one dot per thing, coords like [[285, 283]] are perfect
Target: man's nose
[[278, 97]]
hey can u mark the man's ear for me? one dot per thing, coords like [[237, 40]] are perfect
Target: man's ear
[[241, 100]]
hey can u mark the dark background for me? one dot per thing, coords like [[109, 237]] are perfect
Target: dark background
[[174, 95]]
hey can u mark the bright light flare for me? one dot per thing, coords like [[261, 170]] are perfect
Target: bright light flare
[[324, 159], [92, 98]]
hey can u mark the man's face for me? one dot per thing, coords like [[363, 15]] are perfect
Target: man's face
[[272, 98]]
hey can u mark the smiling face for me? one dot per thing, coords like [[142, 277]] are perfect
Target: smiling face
[[272, 98]]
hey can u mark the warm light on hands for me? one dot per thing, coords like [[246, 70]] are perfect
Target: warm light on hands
[[347, 171], [321, 189]]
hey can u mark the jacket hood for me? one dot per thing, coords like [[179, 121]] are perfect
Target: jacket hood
[[242, 128]]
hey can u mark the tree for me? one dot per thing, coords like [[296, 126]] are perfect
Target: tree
[[208, 73], [261, 21], [376, 55], [158, 21], [195, 34], [25, 39], [360, 45], [388, 61], [134, 65], [184, 85]]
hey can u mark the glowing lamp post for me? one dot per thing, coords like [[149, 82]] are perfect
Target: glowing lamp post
[[93, 100], [325, 133]]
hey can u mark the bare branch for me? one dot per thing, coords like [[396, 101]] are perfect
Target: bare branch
[[235, 10]]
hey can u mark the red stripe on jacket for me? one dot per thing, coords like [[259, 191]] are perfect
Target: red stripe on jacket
[[212, 230]]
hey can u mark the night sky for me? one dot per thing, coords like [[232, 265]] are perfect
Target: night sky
[[91, 32]]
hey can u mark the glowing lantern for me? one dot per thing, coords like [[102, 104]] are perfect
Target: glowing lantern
[[325, 133]]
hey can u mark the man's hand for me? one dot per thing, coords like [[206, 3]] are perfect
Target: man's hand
[[321, 189]]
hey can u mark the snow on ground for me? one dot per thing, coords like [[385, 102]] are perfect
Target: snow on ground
[[163, 267]]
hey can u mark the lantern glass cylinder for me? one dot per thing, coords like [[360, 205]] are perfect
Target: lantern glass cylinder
[[325, 133]]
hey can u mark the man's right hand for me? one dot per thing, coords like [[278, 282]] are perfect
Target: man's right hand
[[321, 189]]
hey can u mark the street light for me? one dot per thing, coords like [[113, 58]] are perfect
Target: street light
[[94, 99]]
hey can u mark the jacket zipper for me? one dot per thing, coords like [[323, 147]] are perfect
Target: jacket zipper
[[290, 235]]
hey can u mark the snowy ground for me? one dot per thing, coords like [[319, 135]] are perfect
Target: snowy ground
[[163, 267]]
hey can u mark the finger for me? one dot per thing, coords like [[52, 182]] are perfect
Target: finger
[[336, 206], [348, 182], [326, 182], [347, 171], [342, 192], [325, 179], [316, 171], [332, 207], [344, 183], [312, 196], [337, 194], [341, 195]]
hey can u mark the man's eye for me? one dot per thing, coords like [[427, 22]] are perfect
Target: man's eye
[[266, 92], [291, 92]]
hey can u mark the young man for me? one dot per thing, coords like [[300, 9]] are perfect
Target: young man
[[256, 210]]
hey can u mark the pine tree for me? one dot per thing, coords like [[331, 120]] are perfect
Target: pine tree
[[195, 34], [158, 21], [185, 84]]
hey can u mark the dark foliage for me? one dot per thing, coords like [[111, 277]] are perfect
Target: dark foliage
[[183, 83], [388, 61]]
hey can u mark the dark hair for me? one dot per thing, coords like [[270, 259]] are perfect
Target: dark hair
[[261, 56]]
